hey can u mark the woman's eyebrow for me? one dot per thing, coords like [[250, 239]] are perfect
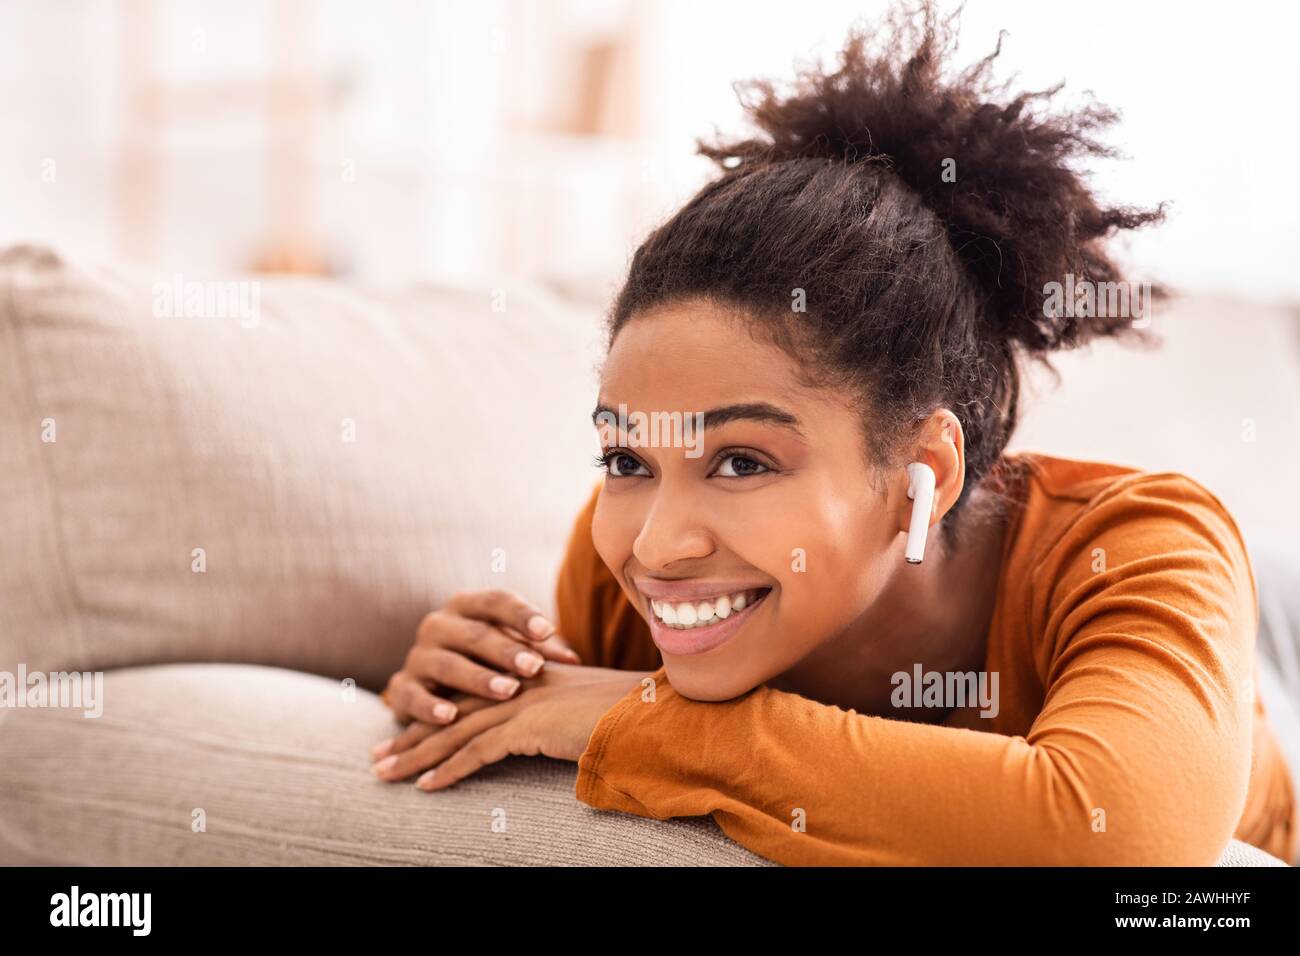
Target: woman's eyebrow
[[747, 411], [752, 412]]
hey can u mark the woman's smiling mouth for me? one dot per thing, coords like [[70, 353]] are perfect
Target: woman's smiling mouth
[[697, 617]]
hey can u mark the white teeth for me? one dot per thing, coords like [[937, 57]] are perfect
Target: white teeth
[[699, 613]]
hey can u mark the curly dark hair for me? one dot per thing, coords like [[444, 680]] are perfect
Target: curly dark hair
[[919, 292]]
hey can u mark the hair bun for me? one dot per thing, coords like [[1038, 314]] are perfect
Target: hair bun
[[997, 170]]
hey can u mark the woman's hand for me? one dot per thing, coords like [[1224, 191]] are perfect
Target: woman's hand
[[554, 715], [473, 644]]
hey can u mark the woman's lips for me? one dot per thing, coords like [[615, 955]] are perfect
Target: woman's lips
[[697, 640]]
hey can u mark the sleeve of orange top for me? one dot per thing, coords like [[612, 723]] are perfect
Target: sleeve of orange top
[[1140, 753]]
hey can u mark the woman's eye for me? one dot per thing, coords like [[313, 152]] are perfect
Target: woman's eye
[[621, 465], [742, 467]]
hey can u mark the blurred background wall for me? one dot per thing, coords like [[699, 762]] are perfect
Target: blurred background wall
[[404, 137], [395, 140]]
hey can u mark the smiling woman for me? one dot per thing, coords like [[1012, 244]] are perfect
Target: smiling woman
[[855, 293]]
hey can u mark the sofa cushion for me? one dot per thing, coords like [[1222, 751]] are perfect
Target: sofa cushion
[[291, 477], [278, 764]]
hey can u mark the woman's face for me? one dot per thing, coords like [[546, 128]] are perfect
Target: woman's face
[[780, 506]]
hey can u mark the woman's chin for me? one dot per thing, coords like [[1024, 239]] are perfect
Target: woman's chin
[[689, 680]]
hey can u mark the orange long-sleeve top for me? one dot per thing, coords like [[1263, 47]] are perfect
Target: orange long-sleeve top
[[1129, 731]]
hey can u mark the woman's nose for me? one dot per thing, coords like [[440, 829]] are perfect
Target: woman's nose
[[671, 532]]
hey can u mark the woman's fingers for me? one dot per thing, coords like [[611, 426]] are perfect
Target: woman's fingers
[[434, 747], [452, 669], [491, 746], [557, 648], [498, 606], [409, 699], [418, 730], [489, 643], [465, 646], [554, 648]]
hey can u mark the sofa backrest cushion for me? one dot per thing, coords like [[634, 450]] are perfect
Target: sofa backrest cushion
[[290, 472]]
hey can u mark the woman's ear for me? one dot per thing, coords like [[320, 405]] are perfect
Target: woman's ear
[[942, 448]]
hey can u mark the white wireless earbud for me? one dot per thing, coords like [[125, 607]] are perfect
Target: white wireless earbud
[[920, 488]]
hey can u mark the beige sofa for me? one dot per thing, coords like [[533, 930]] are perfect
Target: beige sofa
[[238, 503]]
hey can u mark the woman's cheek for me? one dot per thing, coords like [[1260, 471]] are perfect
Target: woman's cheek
[[827, 585], [807, 595], [613, 534], [810, 611]]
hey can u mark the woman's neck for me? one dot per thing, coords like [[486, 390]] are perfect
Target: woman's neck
[[936, 615]]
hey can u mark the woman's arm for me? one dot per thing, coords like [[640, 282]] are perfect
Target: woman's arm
[[1140, 754]]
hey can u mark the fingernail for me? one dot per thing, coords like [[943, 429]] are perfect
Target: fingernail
[[384, 766], [540, 626], [426, 780], [444, 712], [505, 686], [530, 664], [382, 748]]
